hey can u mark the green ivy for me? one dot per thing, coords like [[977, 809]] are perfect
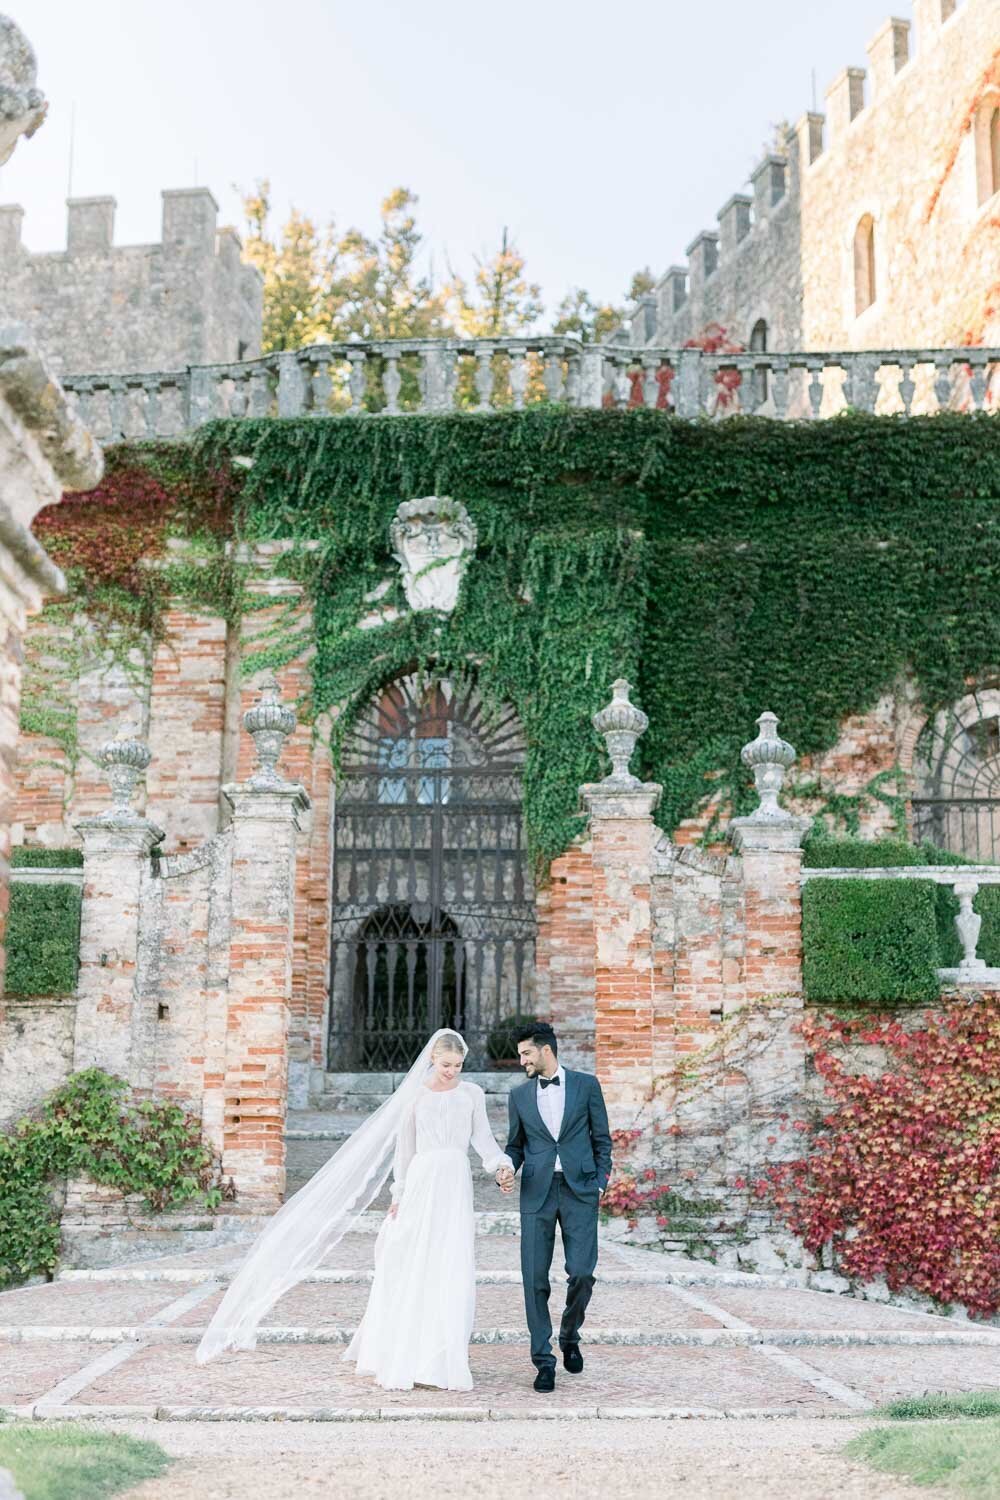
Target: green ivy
[[89, 1127], [42, 938], [724, 567]]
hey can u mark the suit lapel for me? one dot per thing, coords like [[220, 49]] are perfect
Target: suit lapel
[[531, 1096], [569, 1102]]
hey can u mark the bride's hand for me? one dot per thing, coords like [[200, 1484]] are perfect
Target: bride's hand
[[393, 1210]]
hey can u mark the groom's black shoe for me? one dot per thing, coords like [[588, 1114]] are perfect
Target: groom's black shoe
[[572, 1358], [545, 1380]]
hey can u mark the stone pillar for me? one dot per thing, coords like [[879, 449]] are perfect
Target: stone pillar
[[770, 842], [265, 820], [112, 1030], [622, 834]]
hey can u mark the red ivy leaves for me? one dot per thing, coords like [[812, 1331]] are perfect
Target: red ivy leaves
[[902, 1175], [106, 532]]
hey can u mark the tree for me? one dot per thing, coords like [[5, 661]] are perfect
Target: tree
[[503, 302], [375, 292], [579, 317], [293, 270]]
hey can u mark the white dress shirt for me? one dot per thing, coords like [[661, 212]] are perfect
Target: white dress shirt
[[551, 1106]]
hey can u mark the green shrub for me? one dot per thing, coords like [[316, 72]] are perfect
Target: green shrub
[[823, 852], [43, 938], [26, 857], [870, 941], [89, 1127]]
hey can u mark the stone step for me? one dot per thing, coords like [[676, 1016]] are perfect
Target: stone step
[[337, 1123], [499, 1082]]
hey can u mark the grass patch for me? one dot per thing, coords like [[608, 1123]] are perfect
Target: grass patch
[[961, 1456], [969, 1404], [63, 1463]]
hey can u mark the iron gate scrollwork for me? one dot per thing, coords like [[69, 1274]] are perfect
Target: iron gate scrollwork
[[433, 905], [956, 804]]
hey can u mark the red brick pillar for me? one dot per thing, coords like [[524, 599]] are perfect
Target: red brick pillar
[[266, 813], [622, 833]]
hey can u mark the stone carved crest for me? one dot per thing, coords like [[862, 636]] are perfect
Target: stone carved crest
[[433, 540]]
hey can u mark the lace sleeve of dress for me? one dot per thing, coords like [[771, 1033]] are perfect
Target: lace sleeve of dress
[[483, 1139], [406, 1146]]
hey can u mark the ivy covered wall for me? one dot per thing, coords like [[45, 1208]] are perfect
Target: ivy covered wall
[[723, 567]]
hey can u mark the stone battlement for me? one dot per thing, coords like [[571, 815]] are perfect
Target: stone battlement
[[780, 268], [98, 306]]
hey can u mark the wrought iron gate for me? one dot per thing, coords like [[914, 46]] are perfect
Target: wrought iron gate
[[957, 800], [433, 907]]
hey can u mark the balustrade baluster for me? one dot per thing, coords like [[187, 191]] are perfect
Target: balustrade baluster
[[116, 409], [357, 359], [942, 383], [814, 390], [779, 387], [907, 386], [518, 378], [321, 386], [573, 379], [552, 376], [484, 377], [748, 385], [238, 398], [260, 393], [291, 385], [449, 378], [650, 384], [977, 382], [151, 407], [391, 383], [621, 386]]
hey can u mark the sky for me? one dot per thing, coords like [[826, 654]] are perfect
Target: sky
[[605, 136]]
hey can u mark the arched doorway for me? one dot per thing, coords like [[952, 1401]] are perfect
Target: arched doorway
[[433, 917], [956, 801]]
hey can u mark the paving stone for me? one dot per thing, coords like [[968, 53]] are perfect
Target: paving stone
[[27, 1371], [86, 1303], [313, 1375], [786, 1308], [883, 1374]]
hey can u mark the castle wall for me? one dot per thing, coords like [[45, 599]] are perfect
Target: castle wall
[[905, 141], [99, 307]]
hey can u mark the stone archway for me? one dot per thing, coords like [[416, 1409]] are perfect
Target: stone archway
[[433, 911]]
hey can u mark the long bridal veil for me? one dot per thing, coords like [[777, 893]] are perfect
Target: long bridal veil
[[304, 1229]]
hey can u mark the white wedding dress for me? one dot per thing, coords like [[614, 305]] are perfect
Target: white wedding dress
[[418, 1323]]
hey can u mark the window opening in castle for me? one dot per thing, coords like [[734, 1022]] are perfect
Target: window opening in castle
[[864, 264], [758, 345], [995, 151]]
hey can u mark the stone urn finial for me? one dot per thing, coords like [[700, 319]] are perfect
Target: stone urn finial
[[124, 763], [769, 757], [621, 724], [269, 723], [22, 103]]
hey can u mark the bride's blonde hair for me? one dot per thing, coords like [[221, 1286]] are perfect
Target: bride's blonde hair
[[450, 1042]]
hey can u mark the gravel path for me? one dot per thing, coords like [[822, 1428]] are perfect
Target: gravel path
[[778, 1459]]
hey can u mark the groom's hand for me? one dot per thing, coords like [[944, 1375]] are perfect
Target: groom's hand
[[505, 1180]]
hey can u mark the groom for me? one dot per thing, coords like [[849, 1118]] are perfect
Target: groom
[[559, 1132]]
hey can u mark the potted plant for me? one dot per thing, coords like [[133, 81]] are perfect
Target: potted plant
[[501, 1044]]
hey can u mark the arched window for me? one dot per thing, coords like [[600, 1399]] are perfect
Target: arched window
[[995, 150], [758, 345], [433, 916], [956, 802], [986, 143], [864, 264]]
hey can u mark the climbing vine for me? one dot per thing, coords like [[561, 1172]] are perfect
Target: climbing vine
[[724, 567]]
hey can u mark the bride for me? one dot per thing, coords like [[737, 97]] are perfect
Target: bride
[[418, 1322]]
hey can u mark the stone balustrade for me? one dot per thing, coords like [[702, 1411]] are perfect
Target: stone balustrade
[[367, 377], [965, 881]]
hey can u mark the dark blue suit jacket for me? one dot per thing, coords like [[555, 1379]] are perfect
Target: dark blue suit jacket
[[584, 1145]]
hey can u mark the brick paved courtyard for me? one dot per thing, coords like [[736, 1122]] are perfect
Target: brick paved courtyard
[[664, 1336]]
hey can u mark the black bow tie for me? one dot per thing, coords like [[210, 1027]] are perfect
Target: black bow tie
[[546, 1081]]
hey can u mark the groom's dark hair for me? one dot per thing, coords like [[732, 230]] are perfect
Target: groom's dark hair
[[541, 1034]]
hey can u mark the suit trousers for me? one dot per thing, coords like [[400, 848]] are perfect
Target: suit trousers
[[577, 1218]]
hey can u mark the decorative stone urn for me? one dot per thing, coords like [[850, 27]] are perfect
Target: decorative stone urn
[[269, 724], [621, 724], [22, 103], [769, 757], [125, 763], [433, 540]]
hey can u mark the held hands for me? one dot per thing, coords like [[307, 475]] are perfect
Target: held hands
[[393, 1210], [505, 1180]]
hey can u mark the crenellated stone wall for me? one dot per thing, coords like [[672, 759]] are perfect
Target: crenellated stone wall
[[97, 306], [906, 142]]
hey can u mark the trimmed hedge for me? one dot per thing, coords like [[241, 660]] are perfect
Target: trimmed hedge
[[870, 941], [43, 939], [822, 852], [26, 857]]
